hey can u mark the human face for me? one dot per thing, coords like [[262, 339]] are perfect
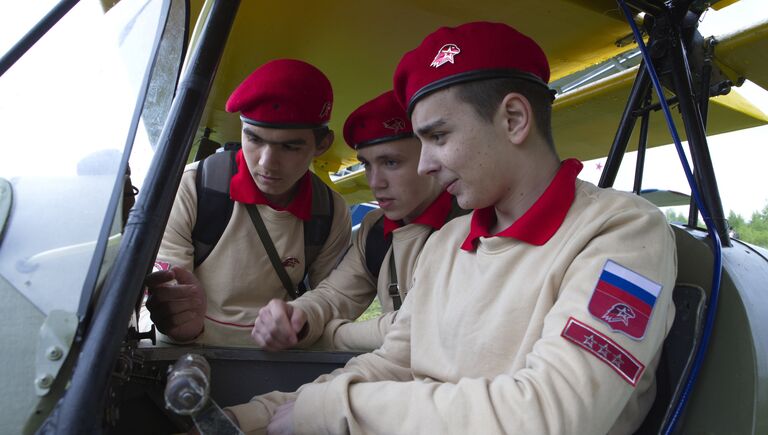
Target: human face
[[278, 158], [471, 157], [391, 170]]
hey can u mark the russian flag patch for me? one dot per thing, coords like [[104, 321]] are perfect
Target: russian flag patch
[[624, 300]]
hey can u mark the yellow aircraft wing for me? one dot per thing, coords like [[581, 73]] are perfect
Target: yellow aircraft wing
[[358, 43], [603, 102], [743, 49]]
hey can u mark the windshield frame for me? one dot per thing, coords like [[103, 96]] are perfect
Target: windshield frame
[[97, 261]]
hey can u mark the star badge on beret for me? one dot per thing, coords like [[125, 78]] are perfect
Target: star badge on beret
[[445, 55], [377, 121], [395, 124], [488, 51], [326, 110]]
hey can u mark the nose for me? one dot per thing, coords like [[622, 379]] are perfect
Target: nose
[[428, 163], [376, 179], [268, 158]]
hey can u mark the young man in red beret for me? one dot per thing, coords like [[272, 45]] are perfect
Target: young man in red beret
[[284, 106], [412, 207], [542, 312]]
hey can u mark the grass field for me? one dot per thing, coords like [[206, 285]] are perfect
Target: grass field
[[374, 310]]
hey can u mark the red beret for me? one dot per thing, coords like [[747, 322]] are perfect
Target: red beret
[[379, 120], [472, 51], [284, 93]]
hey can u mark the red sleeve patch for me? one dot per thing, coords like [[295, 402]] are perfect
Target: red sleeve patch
[[605, 349], [161, 265]]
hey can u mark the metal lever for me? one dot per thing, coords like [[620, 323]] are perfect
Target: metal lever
[[187, 392], [134, 334]]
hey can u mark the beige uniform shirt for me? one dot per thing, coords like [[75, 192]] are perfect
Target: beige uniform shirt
[[478, 346], [237, 275], [350, 288]]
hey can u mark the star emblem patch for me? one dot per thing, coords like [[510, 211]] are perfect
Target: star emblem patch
[[161, 265], [445, 55], [325, 110], [395, 124], [291, 262]]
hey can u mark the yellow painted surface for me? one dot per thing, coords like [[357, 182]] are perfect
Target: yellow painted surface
[[358, 43], [723, 3], [744, 48], [603, 102]]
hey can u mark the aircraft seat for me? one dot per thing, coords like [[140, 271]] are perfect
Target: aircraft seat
[[677, 355]]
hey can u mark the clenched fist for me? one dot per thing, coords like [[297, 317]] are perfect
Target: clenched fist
[[278, 325], [176, 303]]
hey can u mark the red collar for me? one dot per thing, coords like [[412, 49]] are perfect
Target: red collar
[[540, 222], [243, 189], [433, 216]]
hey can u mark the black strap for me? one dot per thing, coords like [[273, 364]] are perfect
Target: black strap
[[269, 246], [376, 247], [318, 228], [214, 207], [394, 286]]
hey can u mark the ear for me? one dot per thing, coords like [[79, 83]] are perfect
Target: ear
[[517, 114], [325, 143]]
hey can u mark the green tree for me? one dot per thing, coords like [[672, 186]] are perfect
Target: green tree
[[755, 231], [673, 216], [736, 221]]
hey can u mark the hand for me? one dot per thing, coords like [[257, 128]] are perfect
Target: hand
[[277, 325], [177, 307], [282, 421]]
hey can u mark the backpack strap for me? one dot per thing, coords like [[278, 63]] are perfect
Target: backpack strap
[[376, 247], [394, 286], [214, 209], [269, 246], [318, 227], [214, 206]]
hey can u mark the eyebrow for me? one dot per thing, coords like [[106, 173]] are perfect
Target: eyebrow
[[390, 156], [298, 141], [382, 157], [425, 130]]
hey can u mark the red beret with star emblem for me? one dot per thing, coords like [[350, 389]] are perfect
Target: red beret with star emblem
[[284, 93], [379, 120], [469, 52]]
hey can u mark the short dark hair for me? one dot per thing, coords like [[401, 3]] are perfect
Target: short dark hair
[[320, 133], [486, 95]]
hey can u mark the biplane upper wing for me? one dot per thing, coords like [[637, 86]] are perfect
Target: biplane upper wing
[[358, 44], [740, 41], [741, 48], [602, 102]]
